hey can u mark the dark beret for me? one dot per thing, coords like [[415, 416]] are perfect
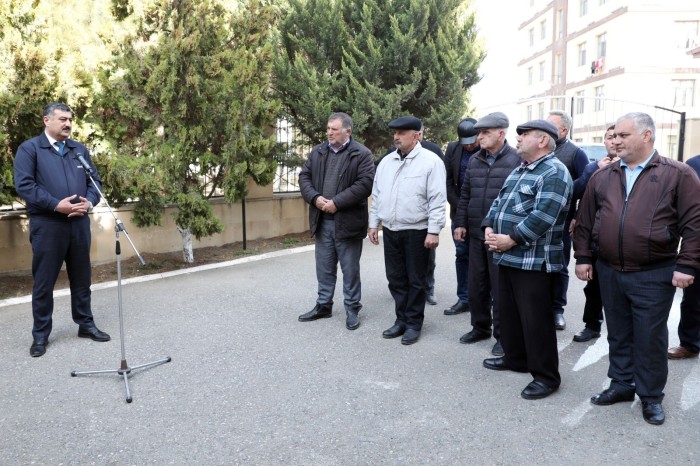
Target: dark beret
[[492, 120], [542, 125], [406, 122]]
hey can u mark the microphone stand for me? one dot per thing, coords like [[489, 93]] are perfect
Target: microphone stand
[[124, 370]]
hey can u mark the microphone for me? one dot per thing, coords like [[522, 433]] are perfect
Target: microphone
[[79, 157]]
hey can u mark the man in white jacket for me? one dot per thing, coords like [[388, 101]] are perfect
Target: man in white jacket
[[408, 200]]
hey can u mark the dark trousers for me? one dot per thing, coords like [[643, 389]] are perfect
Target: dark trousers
[[54, 242], [329, 252], [561, 279], [593, 309], [462, 268], [689, 326], [528, 336], [483, 286], [430, 274], [637, 305], [406, 263]]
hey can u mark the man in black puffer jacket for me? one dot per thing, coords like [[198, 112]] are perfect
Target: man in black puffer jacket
[[336, 180], [486, 172]]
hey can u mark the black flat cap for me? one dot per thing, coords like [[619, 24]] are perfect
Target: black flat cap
[[541, 125], [492, 120], [406, 122]]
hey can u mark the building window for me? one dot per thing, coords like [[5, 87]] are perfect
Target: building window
[[543, 29], [540, 110], [687, 34], [560, 23], [558, 103], [541, 71], [531, 34], [529, 76], [529, 113], [602, 45], [683, 92], [599, 99], [602, 2], [580, 102], [597, 140], [558, 63], [582, 7], [582, 54]]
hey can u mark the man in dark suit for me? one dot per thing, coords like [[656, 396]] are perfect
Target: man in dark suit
[[58, 195], [456, 161]]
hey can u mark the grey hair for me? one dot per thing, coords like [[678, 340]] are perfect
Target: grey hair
[[551, 142], [565, 118], [642, 121], [53, 106], [344, 118]]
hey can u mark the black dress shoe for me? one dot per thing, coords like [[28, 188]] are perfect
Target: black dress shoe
[[457, 308], [559, 322], [38, 348], [474, 336], [430, 299], [586, 334], [496, 364], [610, 396], [318, 312], [653, 413], [536, 390], [352, 321], [93, 333], [410, 336], [497, 349], [394, 331]]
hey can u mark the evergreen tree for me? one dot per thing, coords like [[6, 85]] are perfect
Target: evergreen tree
[[377, 60], [28, 83], [187, 104]]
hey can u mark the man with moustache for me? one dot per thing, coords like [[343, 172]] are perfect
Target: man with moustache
[[408, 201], [58, 196], [524, 230]]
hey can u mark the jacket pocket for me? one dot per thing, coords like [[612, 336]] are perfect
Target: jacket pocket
[[524, 199]]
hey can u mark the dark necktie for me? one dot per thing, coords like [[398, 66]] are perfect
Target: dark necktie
[[59, 145]]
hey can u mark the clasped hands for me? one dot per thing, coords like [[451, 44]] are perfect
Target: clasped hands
[[326, 205], [78, 209]]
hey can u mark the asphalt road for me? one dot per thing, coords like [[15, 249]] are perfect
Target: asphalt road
[[249, 384]]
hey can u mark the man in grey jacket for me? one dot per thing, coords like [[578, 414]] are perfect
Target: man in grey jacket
[[408, 200]]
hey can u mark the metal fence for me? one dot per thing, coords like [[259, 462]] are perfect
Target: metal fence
[[593, 115], [290, 159]]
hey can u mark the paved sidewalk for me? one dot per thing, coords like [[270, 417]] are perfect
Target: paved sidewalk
[[249, 384]]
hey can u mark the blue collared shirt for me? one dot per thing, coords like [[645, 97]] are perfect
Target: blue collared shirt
[[632, 175]]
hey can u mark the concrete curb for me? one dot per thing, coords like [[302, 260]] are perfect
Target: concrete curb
[[158, 276]]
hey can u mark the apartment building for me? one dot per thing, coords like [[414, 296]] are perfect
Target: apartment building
[[599, 59]]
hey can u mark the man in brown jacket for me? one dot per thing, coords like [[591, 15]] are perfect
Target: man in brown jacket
[[634, 213]]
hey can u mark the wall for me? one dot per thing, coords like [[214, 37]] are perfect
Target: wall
[[267, 216]]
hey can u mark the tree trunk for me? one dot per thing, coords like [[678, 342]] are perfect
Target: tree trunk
[[187, 253]]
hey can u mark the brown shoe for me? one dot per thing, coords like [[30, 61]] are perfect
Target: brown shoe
[[681, 352]]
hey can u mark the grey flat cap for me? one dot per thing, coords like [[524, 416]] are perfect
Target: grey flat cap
[[406, 122], [492, 120], [542, 125]]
